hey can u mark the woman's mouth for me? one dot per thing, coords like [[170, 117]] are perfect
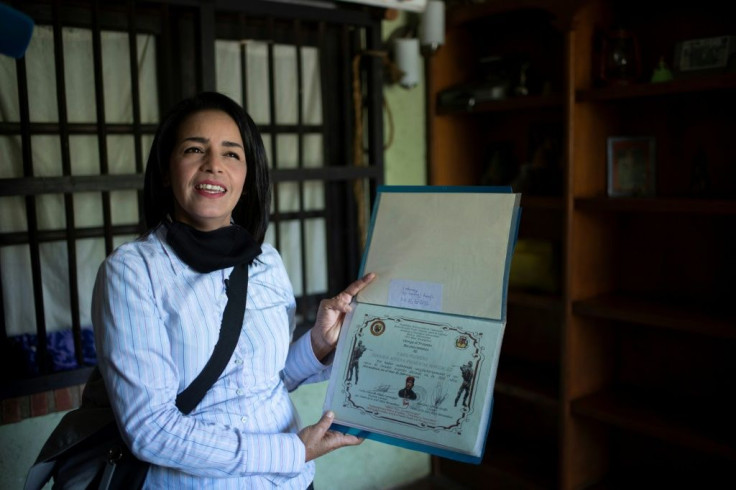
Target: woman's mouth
[[210, 188]]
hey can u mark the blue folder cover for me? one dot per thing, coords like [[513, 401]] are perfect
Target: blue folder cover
[[416, 360]]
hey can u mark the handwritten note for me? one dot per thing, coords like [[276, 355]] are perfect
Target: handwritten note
[[416, 295]]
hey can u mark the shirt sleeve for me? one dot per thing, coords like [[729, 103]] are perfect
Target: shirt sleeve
[[142, 380], [302, 365]]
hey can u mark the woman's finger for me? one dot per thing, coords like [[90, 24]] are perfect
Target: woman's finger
[[354, 288]]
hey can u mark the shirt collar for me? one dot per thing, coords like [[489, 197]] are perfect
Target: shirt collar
[[177, 265]]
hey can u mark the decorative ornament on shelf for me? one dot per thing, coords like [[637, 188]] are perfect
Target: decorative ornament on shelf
[[522, 88], [661, 73], [620, 62]]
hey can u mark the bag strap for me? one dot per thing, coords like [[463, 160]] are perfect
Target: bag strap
[[232, 323]]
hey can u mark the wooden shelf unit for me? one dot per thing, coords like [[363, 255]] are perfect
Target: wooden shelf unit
[[621, 377], [523, 443]]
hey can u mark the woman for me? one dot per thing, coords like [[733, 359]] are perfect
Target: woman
[[158, 304]]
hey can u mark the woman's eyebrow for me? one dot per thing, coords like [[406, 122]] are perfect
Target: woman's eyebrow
[[203, 140]]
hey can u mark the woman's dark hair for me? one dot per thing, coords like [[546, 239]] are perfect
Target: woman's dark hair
[[252, 210]]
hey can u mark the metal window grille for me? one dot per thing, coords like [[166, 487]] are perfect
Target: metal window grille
[[185, 36]]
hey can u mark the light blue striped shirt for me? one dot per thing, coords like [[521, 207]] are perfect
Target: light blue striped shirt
[[156, 323]]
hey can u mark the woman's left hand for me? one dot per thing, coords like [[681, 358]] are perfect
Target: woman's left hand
[[331, 314]]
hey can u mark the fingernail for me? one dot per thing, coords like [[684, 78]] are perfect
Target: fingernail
[[330, 414]]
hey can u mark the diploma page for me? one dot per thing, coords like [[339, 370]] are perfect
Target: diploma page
[[421, 380]]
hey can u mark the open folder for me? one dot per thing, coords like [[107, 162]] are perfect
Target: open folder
[[416, 360]]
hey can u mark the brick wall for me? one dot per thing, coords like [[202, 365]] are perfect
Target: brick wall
[[23, 407]]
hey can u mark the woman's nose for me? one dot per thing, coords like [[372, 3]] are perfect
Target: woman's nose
[[211, 162]]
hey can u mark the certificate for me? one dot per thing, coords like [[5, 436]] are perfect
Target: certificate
[[431, 390], [416, 359]]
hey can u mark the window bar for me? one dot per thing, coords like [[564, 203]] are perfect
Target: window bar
[[135, 94], [165, 63], [101, 127], [330, 150], [42, 360], [243, 63], [325, 79], [272, 120], [71, 238], [300, 160], [52, 128], [3, 325], [22, 238], [350, 46], [374, 84], [206, 46]]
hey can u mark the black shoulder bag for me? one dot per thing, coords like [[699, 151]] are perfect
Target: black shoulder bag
[[86, 451]]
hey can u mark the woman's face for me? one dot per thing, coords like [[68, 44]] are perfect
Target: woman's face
[[207, 170]]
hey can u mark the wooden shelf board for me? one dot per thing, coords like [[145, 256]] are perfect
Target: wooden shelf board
[[658, 205], [507, 105], [695, 84], [674, 420], [670, 315]]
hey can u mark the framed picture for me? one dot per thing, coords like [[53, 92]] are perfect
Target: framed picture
[[631, 166], [709, 54]]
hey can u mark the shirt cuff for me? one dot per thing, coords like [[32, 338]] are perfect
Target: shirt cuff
[[274, 454]]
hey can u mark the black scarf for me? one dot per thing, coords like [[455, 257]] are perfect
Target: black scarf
[[207, 251]]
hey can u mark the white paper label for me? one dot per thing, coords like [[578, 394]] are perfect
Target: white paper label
[[416, 295]]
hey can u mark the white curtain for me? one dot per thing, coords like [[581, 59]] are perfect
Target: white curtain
[[46, 155]]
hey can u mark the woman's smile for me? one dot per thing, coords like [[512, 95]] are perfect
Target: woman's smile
[[210, 189]]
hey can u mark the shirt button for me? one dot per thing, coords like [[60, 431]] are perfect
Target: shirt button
[[239, 392], [243, 419], [238, 361]]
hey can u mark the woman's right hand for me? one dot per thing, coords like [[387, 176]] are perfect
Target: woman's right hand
[[319, 440]]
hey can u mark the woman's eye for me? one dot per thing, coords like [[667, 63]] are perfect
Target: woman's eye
[[233, 155], [193, 149]]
